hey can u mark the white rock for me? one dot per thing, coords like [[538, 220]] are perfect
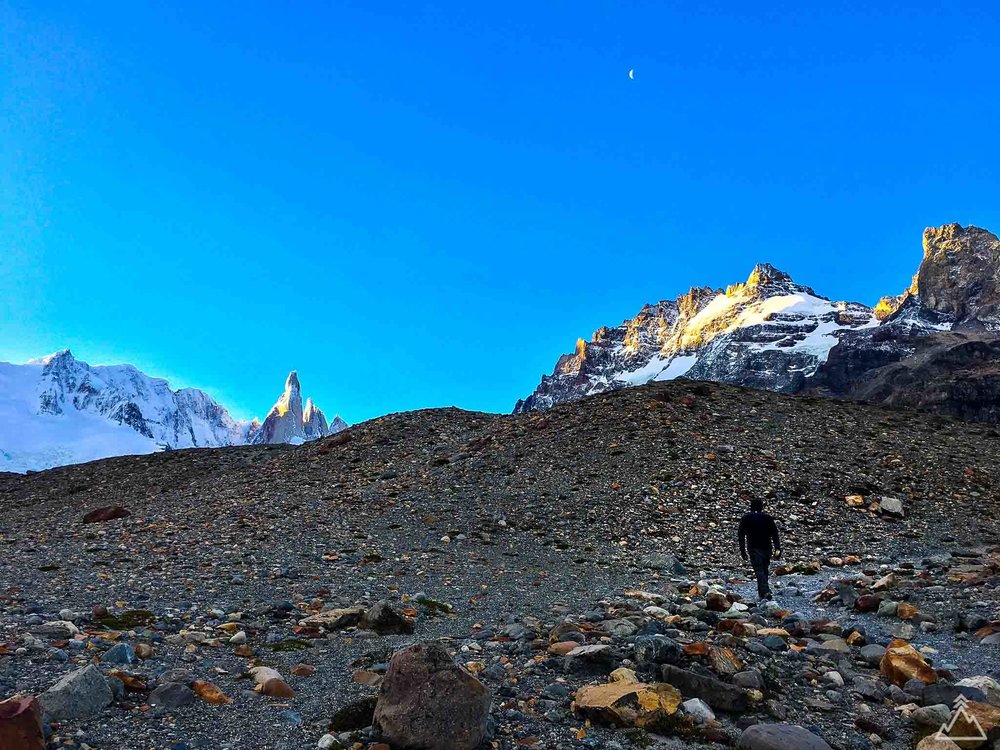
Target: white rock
[[326, 742], [697, 708], [834, 678], [987, 684], [892, 506]]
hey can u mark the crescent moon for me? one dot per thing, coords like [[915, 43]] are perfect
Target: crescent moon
[[631, 74]]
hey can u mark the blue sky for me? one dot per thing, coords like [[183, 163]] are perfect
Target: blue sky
[[424, 204]]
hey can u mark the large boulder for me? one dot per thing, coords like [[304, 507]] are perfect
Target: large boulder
[[719, 695], [629, 704], [21, 724], [780, 737], [902, 663], [429, 702], [78, 695]]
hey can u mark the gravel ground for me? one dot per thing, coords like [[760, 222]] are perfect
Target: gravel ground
[[501, 518]]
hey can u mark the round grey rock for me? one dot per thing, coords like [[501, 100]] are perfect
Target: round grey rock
[[780, 737]]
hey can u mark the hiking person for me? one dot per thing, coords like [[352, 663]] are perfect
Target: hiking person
[[758, 536]]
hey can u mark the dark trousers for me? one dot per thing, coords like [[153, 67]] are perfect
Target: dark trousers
[[760, 559]]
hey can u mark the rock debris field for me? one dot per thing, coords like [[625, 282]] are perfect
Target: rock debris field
[[566, 579]]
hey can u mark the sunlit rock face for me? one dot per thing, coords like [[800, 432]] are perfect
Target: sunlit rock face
[[772, 333], [289, 422], [960, 276], [767, 332]]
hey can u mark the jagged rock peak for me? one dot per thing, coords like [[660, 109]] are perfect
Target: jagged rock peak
[[960, 275], [764, 274], [289, 422], [291, 399]]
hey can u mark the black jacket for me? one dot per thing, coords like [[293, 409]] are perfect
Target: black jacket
[[758, 532]]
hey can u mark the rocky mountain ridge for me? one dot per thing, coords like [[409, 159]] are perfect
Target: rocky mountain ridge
[[775, 334], [59, 410]]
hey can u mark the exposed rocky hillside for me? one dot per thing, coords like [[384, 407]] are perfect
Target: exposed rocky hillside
[[933, 346], [59, 410], [606, 524]]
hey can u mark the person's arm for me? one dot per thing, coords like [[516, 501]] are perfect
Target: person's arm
[[775, 540], [743, 538]]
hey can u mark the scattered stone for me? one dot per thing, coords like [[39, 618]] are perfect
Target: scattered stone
[[78, 695], [780, 737], [106, 513], [383, 617], [269, 682], [628, 704], [700, 710], [172, 695], [21, 724], [336, 619], [715, 693], [210, 693], [427, 701], [902, 662]]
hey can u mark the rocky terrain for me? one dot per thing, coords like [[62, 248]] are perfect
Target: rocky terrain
[[932, 347], [579, 566], [59, 410]]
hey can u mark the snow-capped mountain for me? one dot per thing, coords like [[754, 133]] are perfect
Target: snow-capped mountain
[[289, 422], [58, 410], [775, 334]]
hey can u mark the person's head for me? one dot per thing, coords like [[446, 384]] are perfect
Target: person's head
[[757, 505]]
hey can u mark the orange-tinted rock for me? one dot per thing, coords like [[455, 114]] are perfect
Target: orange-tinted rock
[[625, 704], [698, 648], [724, 661], [561, 648], [906, 611], [303, 670], [210, 693], [902, 662]]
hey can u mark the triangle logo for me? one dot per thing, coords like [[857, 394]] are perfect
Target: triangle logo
[[969, 730]]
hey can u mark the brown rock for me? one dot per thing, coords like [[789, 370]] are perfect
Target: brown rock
[[107, 513], [429, 702], [559, 631], [210, 693], [906, 611], [303, 670], [336, 619], [936, 743], [968, 723], [625, 704], [867, 603], [269, 682], [724, 661], [902, 662], [21, 724], [561, 648], [717, 601]]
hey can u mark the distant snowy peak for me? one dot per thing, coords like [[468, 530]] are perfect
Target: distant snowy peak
[[289, 422], [57, 410], [767, 332], [770, 332]]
